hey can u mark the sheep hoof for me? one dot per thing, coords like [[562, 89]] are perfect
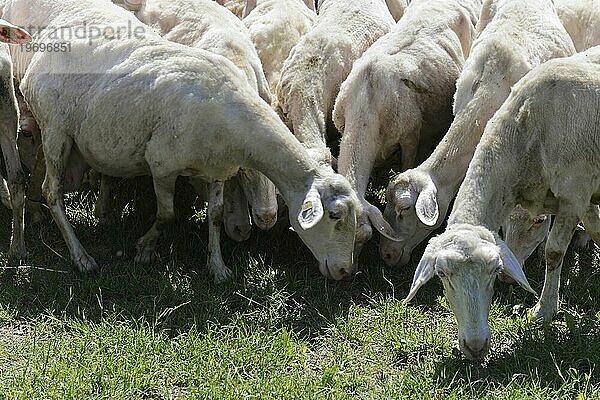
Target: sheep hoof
[[542, 312], [221, 273], [146, 256], [17, 253], [85, 263]]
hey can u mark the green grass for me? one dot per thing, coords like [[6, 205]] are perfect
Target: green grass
[[277, 331]]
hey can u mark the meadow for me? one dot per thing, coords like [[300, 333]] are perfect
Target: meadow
[[278, 330]]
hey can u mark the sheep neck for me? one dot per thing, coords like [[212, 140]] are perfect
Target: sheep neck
[[485, 195], [275, 152], [450, 160], [357, 157]]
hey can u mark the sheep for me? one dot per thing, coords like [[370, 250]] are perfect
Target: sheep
[[540, 150], [515, 36], [321, 61], [12, 192], [200, 118], [580, 18], [400, 92], [275, 27]]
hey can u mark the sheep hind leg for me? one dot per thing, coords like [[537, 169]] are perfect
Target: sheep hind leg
[[556, 247], [16, 186], [57, 148], [591, 223], [164, 187], [215, 263]]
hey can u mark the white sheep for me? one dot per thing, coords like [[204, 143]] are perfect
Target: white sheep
[[540, 150], [321, 61], [581, 18], [275, 27], [136, 104], [515, 37], [399, 93], [12, 191]]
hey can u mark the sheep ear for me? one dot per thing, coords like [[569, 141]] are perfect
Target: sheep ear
[[12, 34], [511, 266], [134, 5], [426, 207], [423, 274], [380, 224], [312, 210]]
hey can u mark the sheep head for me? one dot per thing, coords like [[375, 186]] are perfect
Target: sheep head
[[468, 259], [412, 211], [325, 220]]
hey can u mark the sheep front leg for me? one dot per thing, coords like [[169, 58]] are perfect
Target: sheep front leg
[[164, 187], [556, 247], [215, 262], [16, 186], [57, 148]]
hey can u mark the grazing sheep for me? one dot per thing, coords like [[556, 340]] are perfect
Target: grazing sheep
[[581, 18], [275, 27], [540, 150], [12, 192], [321, 61], [191, 114], [400, 93], [515, 37]]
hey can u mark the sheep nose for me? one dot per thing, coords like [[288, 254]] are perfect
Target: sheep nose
[[476, 349], [265, 220], [242, 231], [389, 256]]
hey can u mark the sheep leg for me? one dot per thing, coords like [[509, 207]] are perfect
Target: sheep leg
[[16, 185], [34, 190], [556, 247], [215, 262], [57, 148], [164, 187], [104, 205], [591, 222]]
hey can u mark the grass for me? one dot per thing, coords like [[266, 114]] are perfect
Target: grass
[[278, 330]]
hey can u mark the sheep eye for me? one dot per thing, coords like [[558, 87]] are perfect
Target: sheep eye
[[441, 274]]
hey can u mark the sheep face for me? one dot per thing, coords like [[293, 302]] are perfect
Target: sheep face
[[326, 223], [413, 213], [468, 259]]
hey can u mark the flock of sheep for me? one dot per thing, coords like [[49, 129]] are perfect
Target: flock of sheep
[[506, 91]]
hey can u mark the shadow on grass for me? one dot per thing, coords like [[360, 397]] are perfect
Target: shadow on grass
[[276, 281]]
